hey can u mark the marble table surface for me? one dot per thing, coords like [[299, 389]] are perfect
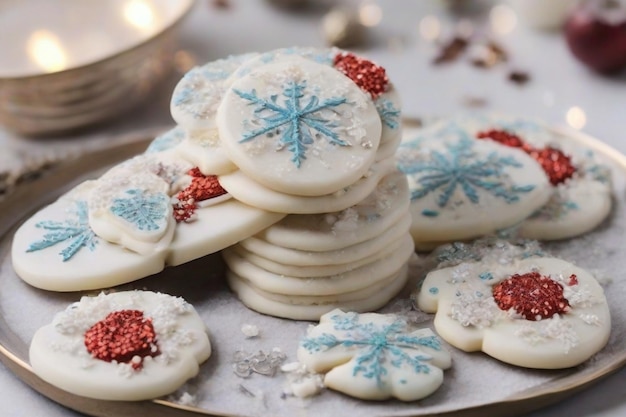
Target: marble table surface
[[560, 91]]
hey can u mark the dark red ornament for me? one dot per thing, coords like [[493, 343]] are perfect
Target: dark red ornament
[[122, 336], [370, 77], [531, 295]]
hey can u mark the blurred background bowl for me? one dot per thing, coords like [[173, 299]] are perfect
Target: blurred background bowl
[[68, 64]]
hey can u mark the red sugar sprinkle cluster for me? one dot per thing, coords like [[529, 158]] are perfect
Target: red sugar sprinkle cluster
[[573, 280], [121, 336], [531, 295], [557, 166], [202, 187], [555, 163], [370, 77]]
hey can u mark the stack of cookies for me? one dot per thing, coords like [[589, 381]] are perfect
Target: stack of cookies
[[300, 134]]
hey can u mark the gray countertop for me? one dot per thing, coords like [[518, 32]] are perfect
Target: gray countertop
[[559, 86]]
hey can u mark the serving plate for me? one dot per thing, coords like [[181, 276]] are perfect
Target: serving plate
[[475, 386]]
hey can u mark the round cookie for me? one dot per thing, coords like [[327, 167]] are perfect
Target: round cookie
[[332, 257], [329, 231], [535, 312], [374, 356], [163, 341], [387, 103], [198, 94], [346, 281], [299, 127], [57, 250], [319, 270], [248, 191], [462, 187], [260, 301]]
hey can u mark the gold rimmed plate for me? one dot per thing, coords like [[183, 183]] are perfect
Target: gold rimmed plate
[[476, 385]]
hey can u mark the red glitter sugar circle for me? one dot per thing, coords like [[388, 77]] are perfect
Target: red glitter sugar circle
[[202, 187], [531, 295], [370, 77], [121, 336], [557, 166]]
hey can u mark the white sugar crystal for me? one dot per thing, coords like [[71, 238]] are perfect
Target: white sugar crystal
[[250, 330]]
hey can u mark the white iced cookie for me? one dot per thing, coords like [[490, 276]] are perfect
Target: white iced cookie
[[581, 184], [198, 94], [313, 307], [343, 255], [246, 190], [57, 250], [130, 204], [203, 149], [365, 220], [374, 356], [371, 78], [314, 271], [299, 127], [345, 281], [127, 346], [535, 312], [463, 187]]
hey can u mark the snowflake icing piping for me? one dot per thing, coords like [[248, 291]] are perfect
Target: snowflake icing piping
[[379, 346], [388, 112], [297, 126], [147, 212], [461, 168], [76, 231]]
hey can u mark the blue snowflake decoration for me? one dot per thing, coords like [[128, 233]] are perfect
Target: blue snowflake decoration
[[298, 126], [166, 140], [75, 231], [377, 346], [147, 212], [461, 167], [388, 112]]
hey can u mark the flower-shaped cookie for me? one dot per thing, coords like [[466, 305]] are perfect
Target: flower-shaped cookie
[[130, 346], [374, 356], [534, 312]]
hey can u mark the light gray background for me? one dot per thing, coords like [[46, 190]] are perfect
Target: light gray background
[[557, 84]]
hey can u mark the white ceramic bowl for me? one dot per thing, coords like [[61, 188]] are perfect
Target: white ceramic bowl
[[70, 63]]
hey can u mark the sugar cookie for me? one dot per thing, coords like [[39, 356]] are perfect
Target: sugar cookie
[[248, 191], [365, 220], [163, 341], [319, 270], [463, 187], [299, 127], [198, 94], [57, 250], [332, 257], [534, 312], [346, 281], [374, 356], [581, 184], [268, 303], [166, 140]]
